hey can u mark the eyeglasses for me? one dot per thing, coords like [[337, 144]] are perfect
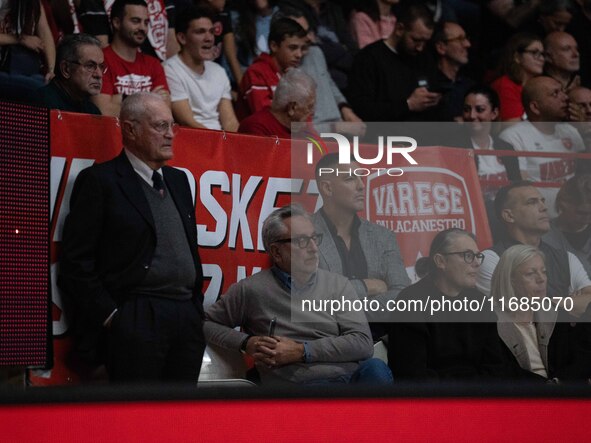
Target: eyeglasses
[[459, 38], [163, 127], [469, 256], [90, 67], [535, 53], [302, 241]]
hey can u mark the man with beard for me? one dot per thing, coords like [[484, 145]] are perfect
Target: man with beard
[[129, 71], [389, 78]]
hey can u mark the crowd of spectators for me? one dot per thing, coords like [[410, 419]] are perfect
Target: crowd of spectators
[[258, 66], [386, 60]]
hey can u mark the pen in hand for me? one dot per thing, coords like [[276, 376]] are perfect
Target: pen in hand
[[272, 324]]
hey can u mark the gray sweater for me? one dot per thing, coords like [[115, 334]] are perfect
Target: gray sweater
[[336, 343], [328, 95]]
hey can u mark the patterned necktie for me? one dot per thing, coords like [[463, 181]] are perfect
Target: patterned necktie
[[158, 183]]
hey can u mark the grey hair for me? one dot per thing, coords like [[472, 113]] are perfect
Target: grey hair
[[274, 227], [134, 106], [294, 86], [512, 258], [67, 50]]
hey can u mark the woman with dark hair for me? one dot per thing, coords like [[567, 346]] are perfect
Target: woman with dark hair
[[251, 20], [27, 49], [372, 20], [522, 59], [546, 342], [481, 109], [457, 344]]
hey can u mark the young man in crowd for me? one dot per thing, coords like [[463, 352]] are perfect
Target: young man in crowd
[[129, 70], [287, 43], [199, 87]]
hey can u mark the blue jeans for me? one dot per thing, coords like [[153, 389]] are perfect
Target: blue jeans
[[372, 371]]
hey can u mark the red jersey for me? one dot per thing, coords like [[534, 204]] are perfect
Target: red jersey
[[126, 78], [257, 86], [264, 122], [509, 96]]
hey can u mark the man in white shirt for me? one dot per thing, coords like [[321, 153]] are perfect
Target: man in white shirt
[[546, 106], [199, 87]]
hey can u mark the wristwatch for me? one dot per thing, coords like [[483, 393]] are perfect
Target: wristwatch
[[244, 344]]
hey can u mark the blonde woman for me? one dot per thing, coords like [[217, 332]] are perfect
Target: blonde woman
[[543, 340]]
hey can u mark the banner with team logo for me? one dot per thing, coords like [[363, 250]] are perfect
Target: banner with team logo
[[237, 181], [411, 189], [434, 195]]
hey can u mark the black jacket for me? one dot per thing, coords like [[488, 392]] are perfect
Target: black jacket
[[109, 240]]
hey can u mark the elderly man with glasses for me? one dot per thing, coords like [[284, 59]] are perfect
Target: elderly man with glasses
[[301, 324], [129, 259], [78, 76]]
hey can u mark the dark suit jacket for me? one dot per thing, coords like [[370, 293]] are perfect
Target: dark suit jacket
[[109, 240]]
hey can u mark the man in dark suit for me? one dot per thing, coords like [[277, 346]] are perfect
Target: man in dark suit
[[129, 258]]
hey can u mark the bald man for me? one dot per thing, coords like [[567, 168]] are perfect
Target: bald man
[[562, 59], [582, 97], [546, 106]]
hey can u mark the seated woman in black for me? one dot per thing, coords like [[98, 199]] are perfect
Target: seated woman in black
[[446, 346], [547, 343]]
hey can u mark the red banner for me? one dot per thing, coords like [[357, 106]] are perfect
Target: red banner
[[297, 420], [439, 193], [237, 181]]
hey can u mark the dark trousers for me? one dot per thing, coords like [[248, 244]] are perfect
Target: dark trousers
[[156, 339]]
